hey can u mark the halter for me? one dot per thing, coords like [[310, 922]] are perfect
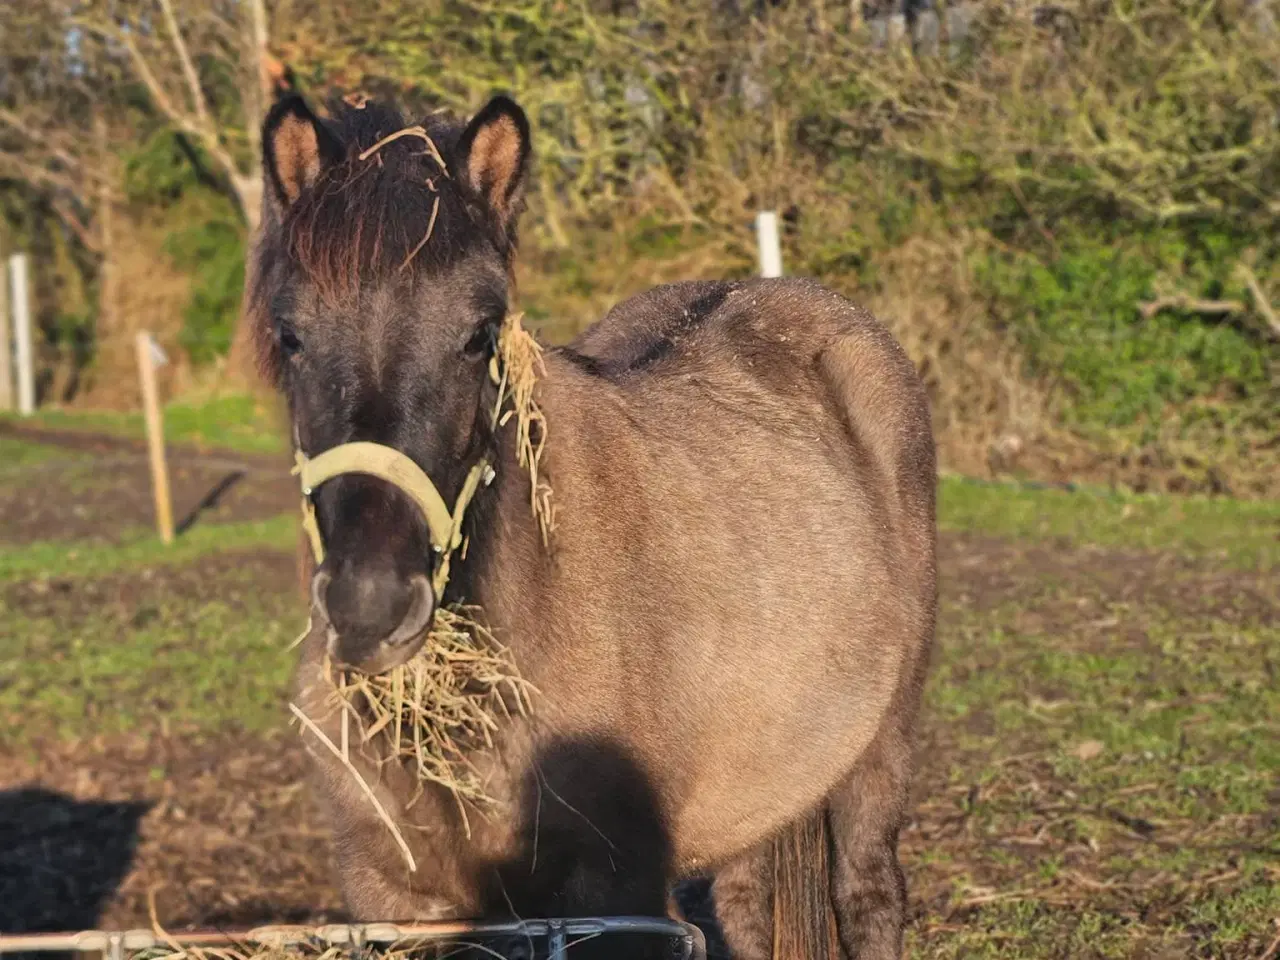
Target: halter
[[389, 464]]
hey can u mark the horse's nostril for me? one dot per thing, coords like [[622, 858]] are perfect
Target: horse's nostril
[[418, 617], [370, 613]]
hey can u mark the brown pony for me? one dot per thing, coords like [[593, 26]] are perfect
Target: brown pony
[[730, 628]]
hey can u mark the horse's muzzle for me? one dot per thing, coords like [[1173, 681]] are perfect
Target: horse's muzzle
[[373, 623]]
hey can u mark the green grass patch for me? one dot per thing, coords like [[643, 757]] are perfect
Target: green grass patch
[[233, 422], [1242, 533], [142, 548], [16, 452], [219, 660], [1114, 754]]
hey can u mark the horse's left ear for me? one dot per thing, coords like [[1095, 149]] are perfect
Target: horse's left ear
[[296, 149], [493, 157]]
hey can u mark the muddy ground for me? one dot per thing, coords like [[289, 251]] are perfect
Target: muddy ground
[[93, 486]]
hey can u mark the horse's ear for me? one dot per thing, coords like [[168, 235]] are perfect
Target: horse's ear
[[296, 148], [493, 156]]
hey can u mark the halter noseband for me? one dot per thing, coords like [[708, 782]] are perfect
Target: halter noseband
[[389, 464]]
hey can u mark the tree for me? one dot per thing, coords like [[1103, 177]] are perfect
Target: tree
[[205, 69]]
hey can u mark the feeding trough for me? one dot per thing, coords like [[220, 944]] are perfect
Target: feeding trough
[[546, 939]]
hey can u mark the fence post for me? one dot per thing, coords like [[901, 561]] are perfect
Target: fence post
[[22, 333], [155, 436], [770, 247], [6, 345]]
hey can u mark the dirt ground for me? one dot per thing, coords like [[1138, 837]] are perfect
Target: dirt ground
[[221, 831], [94, 486]]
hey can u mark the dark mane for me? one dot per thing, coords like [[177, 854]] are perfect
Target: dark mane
[[367, 220]]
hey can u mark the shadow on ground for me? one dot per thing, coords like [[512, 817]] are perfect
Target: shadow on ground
[[61, 859]]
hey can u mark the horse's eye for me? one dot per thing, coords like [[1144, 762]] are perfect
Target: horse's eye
[[289, 341], [481, 340]]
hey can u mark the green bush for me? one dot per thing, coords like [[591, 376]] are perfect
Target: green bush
[[206, 240], [1077, 317], [212, 250]]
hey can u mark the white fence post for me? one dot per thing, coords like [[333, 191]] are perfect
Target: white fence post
[[6, 345], [22, 333], [770, 248]]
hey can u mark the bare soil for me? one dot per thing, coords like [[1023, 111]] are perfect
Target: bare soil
[[105, 491]]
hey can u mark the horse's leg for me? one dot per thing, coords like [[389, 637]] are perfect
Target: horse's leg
[[743, 895], [866, 812]]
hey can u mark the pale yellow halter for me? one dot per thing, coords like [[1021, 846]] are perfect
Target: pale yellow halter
[[389, 464]]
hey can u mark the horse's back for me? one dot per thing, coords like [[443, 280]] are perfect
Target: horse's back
[[784, 371], [788, 341]]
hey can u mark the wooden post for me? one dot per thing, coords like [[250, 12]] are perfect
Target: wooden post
[[6, 346], [770, 248], [22, 333], [155, 437]]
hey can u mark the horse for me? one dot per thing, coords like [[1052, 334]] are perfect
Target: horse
[[729, 624]]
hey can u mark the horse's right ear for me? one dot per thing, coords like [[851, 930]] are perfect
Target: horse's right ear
[[296, 149]]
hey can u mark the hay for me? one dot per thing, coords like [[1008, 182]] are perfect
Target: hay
[[429, 714], [417, 130], [515, 369], [445, 702]]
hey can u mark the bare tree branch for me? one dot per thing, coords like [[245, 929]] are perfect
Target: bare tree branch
[[149, 81], [199, 127], [257, 98], [54, 150], [188, 67], [77, 226], [25, 130], [1260, 299], [36, 174]]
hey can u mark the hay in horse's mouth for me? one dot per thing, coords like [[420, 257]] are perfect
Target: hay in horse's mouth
[[433, 712], [446, 701]]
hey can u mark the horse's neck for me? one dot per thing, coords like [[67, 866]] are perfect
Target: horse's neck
[[508, 565], [503, 546]]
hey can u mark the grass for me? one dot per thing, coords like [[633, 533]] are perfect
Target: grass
[[232, 422], [212, 655], [142, 549], [1106, 754], [16, 453], [1241, 533]]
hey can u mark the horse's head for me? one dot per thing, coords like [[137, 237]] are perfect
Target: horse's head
[[378, 287]]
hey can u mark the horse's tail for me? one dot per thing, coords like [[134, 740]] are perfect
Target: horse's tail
[[804, 925]]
